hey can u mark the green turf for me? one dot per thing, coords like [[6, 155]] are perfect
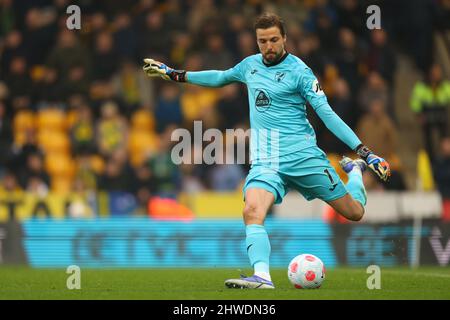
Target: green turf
[[340, 283]]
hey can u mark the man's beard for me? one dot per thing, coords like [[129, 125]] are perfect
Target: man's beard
[[272, 57]]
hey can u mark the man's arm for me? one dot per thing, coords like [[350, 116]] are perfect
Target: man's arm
[[209, 78], [312, 91], [337, 126]]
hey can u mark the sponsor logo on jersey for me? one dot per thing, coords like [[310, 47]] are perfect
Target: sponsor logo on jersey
[[317, 88], [262, 101]]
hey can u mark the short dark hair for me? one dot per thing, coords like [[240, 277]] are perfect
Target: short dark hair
[[268, 20]]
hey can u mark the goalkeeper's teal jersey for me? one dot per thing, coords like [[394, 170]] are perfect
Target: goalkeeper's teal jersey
[[277, 97]]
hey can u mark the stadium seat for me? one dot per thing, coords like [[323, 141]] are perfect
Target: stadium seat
[[51, 119], [24, 120], [196, 101], [97, 164], [140, 145], [71, 118], [61, 184], [59, 164], [54, 141], [143, 120]]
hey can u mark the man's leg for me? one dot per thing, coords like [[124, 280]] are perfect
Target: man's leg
[[257, 203], [351, 206]]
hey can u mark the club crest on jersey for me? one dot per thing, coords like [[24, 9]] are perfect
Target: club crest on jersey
[[262, 101], [279, 76]]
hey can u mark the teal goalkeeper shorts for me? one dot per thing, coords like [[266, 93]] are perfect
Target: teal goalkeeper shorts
[[309, 172]]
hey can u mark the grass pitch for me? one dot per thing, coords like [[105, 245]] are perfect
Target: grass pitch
[[207, 284]]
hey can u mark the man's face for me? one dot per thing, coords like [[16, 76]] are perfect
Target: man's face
[[271, 43]]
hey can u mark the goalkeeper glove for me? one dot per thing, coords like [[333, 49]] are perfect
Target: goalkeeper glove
[[153, 68], [377, 164]]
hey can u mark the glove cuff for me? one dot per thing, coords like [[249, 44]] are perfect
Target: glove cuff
[[363, 151], [178, 75]]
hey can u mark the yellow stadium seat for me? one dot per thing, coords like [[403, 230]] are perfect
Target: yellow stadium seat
[[54, 141], [97, 164], [20, 137], [143, 120], [140, 145], [71, 118], [59, 164], [61, 184], [51, 119], [24, 120]]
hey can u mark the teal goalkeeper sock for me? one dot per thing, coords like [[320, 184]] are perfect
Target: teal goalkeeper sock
[[258, 249], [355, 186]]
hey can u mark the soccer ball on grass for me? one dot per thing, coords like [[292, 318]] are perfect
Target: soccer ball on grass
[[306, 271]]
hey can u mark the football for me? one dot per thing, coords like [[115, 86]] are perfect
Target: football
[[306, 271]]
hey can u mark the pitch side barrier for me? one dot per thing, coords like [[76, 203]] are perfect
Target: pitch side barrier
[[148, 243]]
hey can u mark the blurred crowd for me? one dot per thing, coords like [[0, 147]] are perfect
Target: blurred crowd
[[77, 113]]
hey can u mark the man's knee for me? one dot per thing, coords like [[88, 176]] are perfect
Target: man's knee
[[357, 212], [253, 213]]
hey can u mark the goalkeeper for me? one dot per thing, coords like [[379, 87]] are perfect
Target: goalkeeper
[[279, 86]]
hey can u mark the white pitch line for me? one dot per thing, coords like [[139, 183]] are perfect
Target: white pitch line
[[425, 274]]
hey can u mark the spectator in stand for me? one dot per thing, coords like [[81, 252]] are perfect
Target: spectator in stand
[[344, 106], [374, 88], [67, 54], [76, 83], [322, 21], [311, 53], [132, 87], [441, 171], [166, 175], [182, 44], [246, 45], [125, 38], [168, 107], [381, 57], [347, 58], [379, 132], [112, 130], [18, 79], [154, 38], [13, 47], [143, 186], [6, 137], [39, 33], [227, 176], [104, 59], [216, 55], [231, 36], [7, 17], [20, 153], [349, 16], [33, 176], [82, 132], [430, 100], [232, 107], [9, 183], [47, 88], [118, 175]]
